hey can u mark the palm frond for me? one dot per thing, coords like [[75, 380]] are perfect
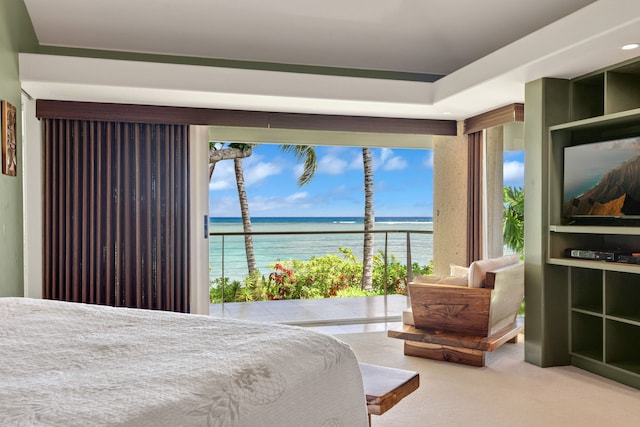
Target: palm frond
[[513, 224], [306, 154]]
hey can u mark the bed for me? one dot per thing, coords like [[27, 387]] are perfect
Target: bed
[[70, 364]]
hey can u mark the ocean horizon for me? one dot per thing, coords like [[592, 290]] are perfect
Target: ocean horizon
[[272, 248], [324, 219]]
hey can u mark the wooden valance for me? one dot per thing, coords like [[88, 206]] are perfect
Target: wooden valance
[[499, 116], [221, 117]]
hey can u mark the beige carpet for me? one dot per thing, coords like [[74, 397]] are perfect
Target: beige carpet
[[506, 392]]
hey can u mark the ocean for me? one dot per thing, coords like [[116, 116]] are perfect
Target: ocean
[[269, 249]]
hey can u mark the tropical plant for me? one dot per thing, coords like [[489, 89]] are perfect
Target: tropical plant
[[395, 273], [234, 291], [513, 229], [331, 275], [513, 224], [321, 277], [307, 155]]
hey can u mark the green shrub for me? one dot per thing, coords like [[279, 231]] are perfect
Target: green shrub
[[320, 277], [354, 292], [396, 274], [234, 291], [331, 275]]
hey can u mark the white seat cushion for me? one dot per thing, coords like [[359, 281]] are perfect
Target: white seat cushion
[[478, 269], [458, 270], [407, 317]]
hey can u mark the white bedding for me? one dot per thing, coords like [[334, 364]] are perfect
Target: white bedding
[[68, 364]]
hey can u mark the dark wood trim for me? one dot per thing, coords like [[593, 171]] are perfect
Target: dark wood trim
[[219, 117], [474, 196], [499, 116]]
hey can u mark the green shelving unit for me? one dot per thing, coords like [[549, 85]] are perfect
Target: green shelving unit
[[602, 306]]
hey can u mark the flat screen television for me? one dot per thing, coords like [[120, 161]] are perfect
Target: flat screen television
[[601, 181]]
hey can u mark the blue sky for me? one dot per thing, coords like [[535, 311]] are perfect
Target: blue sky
[[403, 183]]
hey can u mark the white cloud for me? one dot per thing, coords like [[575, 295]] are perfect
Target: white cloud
[[395, 163], [356, 162], [255, 173], [388, 162], [428, 160], [223, 177], [296, 197], [224, 206], [385, 153], [331, 165], [513, 172], [299, 200], [254, 170], [297, 170]]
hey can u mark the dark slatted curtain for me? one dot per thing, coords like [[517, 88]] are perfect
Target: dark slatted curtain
[[116, 213], [474, 203]]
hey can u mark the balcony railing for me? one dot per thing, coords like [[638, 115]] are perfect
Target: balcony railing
[[227, 256]]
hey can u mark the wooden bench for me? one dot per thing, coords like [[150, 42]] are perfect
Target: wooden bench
[[385, 387]]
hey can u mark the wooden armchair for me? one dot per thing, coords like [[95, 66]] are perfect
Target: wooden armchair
[[460, 323]]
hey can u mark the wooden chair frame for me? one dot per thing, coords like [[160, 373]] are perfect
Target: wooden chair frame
[[459, 324]]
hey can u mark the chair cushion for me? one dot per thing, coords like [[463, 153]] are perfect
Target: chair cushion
[[407, 317], [442, 280], [460, 280], [478, 269], [458, 270]]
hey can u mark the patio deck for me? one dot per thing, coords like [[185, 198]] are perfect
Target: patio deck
[[333, 315]]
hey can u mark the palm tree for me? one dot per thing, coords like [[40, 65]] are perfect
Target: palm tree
[[246, 217], [218, 152], [369, 220], [237, 152], [513, 226]]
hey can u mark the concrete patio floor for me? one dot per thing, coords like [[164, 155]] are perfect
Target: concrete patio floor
[[330, 315]]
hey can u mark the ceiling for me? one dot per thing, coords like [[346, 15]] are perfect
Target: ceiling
[[421, 36], [448, 59]]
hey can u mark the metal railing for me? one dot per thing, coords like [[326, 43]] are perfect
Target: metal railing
[[227, 256]]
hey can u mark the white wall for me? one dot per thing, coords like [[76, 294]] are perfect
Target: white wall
[[199, 181]]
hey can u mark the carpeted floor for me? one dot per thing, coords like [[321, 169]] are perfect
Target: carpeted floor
[[506, 392]]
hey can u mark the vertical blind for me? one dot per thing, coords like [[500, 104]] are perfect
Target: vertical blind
[[116, 213]]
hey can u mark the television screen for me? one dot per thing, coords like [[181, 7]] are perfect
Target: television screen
[[602, 179]]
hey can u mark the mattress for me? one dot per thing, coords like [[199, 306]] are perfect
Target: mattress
[[70, 364]]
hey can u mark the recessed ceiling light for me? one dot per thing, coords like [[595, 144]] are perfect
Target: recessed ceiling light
[[446, 113], [630, 46]]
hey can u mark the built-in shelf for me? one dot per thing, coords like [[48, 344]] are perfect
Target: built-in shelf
[[627, 366], [596, 265], [600, 123], [585, 309], [631, 320], [622, 345], [604, 296], [591, 229], [586, 336]]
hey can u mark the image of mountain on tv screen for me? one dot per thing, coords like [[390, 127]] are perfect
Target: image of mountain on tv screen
[[602, 179]]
